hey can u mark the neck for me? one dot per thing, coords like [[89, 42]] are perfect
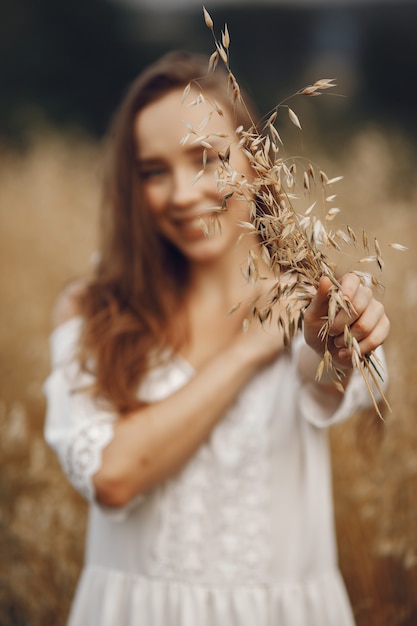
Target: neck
[[225, 280]]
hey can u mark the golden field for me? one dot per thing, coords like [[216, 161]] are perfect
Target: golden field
[[49, 198]]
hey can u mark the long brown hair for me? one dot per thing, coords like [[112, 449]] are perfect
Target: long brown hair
[[140, 281]]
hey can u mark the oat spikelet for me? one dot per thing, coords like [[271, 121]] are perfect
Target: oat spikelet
[[398, 246], [207, 18], [226, 38], [294, 118]]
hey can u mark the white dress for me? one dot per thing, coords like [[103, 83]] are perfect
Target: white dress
[[243, 535]]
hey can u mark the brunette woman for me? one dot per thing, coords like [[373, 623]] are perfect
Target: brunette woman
[[202, 449]]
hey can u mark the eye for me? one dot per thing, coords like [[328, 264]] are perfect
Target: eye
[[208, 158], [212, 158], [151, 172]]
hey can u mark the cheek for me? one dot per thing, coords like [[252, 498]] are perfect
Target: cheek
[[154, 198], [242, 166]]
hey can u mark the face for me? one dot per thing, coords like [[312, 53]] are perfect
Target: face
[[167, 167]]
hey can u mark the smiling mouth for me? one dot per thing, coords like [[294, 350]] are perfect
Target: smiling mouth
[[193, 215], [197, 225], [193, 224]]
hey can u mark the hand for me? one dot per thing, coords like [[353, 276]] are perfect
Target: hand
[[259, 342], [367, 321]]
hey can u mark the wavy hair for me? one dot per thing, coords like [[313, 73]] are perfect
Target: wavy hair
[[132, 301]]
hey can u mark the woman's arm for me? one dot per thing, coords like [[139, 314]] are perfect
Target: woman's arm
[[152, 443]]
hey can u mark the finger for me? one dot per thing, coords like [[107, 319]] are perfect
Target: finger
[[320, 303], [361, 301], [376, 337], [350, 284], [372, 339], [364, 324], [359, 298]]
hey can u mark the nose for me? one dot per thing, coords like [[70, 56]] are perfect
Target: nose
[[186, 190]]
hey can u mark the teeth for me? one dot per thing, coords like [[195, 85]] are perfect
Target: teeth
[[191, 216], [190, 223]]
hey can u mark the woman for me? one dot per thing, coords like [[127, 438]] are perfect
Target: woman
[[202, 448]]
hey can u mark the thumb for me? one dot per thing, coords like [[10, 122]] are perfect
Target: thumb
[[316, 312], [320, 303]]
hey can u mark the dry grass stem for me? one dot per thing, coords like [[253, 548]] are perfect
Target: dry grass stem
[[298, 244]]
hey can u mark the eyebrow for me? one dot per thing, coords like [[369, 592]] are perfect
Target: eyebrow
[[148, 161]]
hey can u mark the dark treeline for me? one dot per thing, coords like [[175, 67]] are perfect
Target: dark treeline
[[68, 63]]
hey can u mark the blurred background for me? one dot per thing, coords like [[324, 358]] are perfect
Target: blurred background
[[64, 66]]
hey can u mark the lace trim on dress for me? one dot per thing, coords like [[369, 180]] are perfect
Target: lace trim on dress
[[212, 521], [83, 457]]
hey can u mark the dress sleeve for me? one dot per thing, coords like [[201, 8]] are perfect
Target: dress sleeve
[[318, 409], [75, 426]]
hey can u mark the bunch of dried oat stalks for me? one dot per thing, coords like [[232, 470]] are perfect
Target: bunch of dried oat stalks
[[295, 245]]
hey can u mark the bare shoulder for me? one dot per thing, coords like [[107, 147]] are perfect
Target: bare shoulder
[[68, 304]]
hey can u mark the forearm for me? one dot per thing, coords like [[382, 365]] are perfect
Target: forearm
[[151, 444]]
